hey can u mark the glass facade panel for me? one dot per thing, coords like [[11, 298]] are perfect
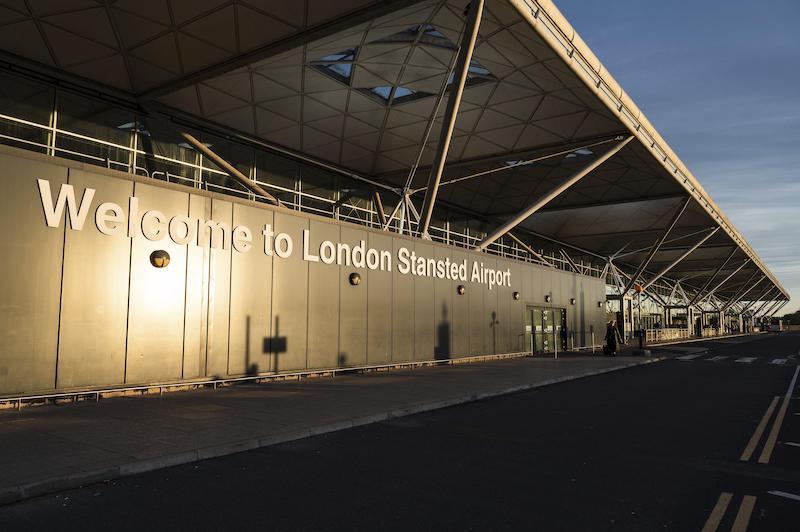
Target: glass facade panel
[[22, 101], [38, 117], [279, 175], [82, 122], [163, 154]]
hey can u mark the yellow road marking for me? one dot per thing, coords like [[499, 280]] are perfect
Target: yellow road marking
[[712, 523], [751, 445], [766, 453], [743, 516]]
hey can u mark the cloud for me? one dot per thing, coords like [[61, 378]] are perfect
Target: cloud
[[719, 81]]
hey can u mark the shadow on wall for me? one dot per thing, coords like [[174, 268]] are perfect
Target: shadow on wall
[[493, 324], [582, 314], [442, 349], [276, 345]]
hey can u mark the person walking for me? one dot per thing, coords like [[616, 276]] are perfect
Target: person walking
[[611, 338]]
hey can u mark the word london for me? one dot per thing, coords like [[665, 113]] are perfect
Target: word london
[[110, 219]]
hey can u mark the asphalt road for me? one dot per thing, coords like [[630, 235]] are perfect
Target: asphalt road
[[656, 447]]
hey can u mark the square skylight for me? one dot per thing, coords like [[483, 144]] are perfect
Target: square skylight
[[341, 65]]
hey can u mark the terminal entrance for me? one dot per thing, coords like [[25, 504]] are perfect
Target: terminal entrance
[[545, 330]]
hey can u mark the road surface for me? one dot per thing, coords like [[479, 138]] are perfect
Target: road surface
[[704, 441]]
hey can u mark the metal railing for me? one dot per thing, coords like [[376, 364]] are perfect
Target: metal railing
[[201, 176], [160, 387], [653, 336]]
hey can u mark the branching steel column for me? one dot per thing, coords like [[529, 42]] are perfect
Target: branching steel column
[[759, 298], [738, 297], [230, 169], [677, 261], [725, 280], [778, 309], [733, 300], [530, 250], [376, 198], [658, 244], [547, 198], [451, 110], [770, 307], [570, 261], [764, 304], [713, 276]]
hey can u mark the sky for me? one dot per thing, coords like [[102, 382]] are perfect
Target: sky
[[720, 80]]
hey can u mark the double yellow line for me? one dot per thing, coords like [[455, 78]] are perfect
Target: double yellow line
[[742, 516], [769, 446], [749, 501]]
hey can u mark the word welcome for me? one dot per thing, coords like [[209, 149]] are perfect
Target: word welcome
[[111, 219]]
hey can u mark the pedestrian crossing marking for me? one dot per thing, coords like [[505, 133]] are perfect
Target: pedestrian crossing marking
[[688, 357], [779, 361], [717, 358], [746, 360]]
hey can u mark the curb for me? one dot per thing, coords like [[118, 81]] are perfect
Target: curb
[[74, 480]]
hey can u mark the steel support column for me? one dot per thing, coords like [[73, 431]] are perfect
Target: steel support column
[[770, 308], [764, 304], [759, 298], [230, 169], [714, 275], [725, 280], [376, 199], [783, 304], [530, 250], [677, 261], [547, 198], [733, 300], [451, 111], [738, 297], [658, 244]]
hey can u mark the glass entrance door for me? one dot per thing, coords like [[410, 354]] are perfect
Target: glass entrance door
[[543, 328]]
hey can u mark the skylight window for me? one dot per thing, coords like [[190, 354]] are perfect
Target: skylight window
[[580, 152], [340, 65], [384, 91]]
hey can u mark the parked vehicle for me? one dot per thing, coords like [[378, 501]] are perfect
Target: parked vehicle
[[775, 325]]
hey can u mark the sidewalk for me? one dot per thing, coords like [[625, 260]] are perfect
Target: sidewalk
[[50, 448]]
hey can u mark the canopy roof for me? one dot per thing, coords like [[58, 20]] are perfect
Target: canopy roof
[[356, 83]]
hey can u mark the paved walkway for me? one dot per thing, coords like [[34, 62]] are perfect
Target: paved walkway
[[49, 448]]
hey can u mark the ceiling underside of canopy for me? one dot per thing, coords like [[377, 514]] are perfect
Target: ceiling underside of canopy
[[356, 84]]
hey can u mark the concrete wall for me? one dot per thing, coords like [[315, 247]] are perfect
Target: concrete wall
[[81, 309]]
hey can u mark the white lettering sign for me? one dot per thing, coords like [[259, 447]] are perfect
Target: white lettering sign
[[112, 220]]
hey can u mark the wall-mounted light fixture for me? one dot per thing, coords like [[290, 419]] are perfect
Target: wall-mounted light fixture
[[516, 296], [159, 258], [461, 289], [572, 301], [547, 298], [355, 279]]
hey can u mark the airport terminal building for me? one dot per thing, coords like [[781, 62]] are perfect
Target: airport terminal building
[[211, 190]]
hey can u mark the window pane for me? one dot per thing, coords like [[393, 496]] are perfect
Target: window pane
[[24, 100], [80, 117]]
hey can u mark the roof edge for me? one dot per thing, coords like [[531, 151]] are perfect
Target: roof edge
[[545, 18]]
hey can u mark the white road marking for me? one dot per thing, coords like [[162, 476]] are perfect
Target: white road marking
[[793, 444], [716, 358], [794, 381], [688, 357], [779, 361], [784, 494], [746, 360]]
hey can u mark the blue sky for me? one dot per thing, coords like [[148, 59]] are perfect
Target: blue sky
[[720, 80]]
